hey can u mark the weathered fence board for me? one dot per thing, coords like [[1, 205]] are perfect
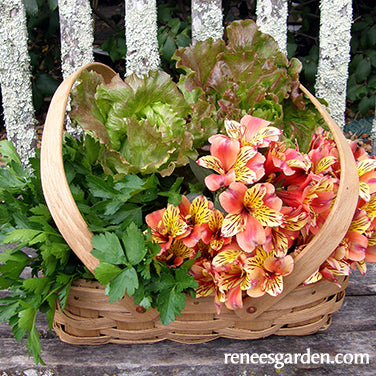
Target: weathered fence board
[[15, 78], [142, 56]]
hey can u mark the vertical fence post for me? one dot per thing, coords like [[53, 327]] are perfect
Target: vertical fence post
[[272, 20], [141, 36], [77, 37], [332, 71], [207, 20], [15, 78], [77, 34]]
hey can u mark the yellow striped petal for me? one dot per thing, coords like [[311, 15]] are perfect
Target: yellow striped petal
[[200, 210], [212, 163], [325, 163], [174, 225], [364, 191], [245, 154], [245, 175], [261, 134], [372, 239], [253, 197], [366, 165], [370, 207], [268, 217], [232, 224], [362, 266], [256, 261], [215, 220], [226, 257], [274, 285], [315, 277], [179, 249], [233, 129], [360, 225]]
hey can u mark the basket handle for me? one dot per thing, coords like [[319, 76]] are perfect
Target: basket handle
[[331, 233], [55, 187], [73, 228]]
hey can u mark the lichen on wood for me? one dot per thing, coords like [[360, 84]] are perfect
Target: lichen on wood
[[332, 72], [272, 20], [207, 19], [76, 31], [141, 36], [77, 37], [15, 78]]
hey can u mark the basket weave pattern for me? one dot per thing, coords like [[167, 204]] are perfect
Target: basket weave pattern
[[304, 311], [89, 318]]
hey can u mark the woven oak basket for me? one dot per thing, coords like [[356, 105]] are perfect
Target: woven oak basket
[[89, 318]]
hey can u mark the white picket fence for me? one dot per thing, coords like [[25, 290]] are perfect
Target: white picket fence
[[76, 27]]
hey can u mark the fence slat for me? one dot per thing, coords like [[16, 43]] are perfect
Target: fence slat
[[272, 20], [332, 72], [15, 78], [141, 36], [77, 34], [207, 19], [77, 38]]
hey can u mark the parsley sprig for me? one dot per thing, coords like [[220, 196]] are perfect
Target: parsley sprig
[[114, 208]]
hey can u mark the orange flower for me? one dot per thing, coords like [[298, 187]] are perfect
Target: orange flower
[[252, 131], [167, 225], [265, 273], [231, 162], [195, 215], [249, 210]]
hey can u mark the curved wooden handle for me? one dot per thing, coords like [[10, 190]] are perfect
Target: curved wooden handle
[[333, 230], [55, 187], [76, 233]]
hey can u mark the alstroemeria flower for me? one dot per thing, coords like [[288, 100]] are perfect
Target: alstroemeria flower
[[195, 214], [167, 225], [213, 231], [231, 162], [279, 158], [355, 243], [207, 278], [367, 178], [316, 199], [252, 131], [280, 239], [175, 255], [249, 210], [265, 273], [233, 282]]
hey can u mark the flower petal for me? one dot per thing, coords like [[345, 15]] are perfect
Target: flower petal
[[232, 198], [232, 224], [252, 236], [200, 210], [279, 265], [225, 149], [215, 182], [213, 163]]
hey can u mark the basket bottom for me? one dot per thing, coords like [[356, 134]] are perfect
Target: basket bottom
[[304, 311]]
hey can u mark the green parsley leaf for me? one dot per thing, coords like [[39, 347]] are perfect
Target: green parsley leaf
[[107, 248], [27, 318], [33, 344], [9, 152], [106, 272], [125, 281], [134, 243], [170, 304]]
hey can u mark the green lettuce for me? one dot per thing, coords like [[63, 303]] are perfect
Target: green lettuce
[[141, 121]]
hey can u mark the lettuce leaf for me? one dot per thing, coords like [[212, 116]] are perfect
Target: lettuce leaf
[[142, 122]]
